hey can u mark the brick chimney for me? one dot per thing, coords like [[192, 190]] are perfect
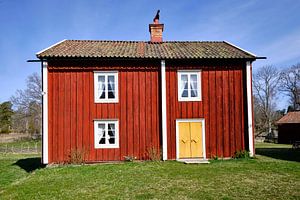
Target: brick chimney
[[156, 29]]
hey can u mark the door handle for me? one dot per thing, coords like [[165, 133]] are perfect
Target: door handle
[[184, 141], [193, 140]]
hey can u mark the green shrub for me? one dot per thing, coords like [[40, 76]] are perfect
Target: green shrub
[[153, 153], [77, 156], [241, 154], [130, 158]]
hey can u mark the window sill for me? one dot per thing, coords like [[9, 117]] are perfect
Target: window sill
[[189, 99], [106, 101], [107, 147]]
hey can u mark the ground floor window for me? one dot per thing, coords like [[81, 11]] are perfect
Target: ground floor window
[[106, 133]]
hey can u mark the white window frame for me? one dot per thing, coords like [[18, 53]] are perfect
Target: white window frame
[[96, 138], [199, 90], [96, 91]]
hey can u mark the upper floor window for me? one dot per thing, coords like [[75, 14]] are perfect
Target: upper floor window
[[189, 85], [106, 87]]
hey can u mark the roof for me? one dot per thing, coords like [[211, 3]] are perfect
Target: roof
[[143, 49], [290, 118]]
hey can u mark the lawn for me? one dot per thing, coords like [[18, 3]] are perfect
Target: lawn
[[269, 176], [21, 146]]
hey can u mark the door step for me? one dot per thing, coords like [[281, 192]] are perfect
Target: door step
[[194, 161]]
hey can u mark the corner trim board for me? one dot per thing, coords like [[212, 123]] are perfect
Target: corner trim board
[[164, 110], [249, 107], [45, 158]]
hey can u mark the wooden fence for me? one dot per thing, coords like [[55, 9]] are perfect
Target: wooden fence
[[25, 148]]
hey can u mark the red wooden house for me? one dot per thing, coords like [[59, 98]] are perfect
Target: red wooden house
[[121, 98], [288, 128]]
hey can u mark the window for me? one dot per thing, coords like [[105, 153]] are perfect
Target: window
[[189, 86], [106, 134], [106, 87]]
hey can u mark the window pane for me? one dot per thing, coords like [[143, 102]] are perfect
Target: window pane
[[184, 77], [194, 93], [193, 77], [111, 87], [101, 87], [194, 82], [184, 93], [111, 94], [111, 80], [101, 133], [111, 133], [184, 82]]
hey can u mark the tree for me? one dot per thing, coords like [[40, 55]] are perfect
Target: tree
[[290, 85], [265, 87], [6, 113], [28, 104]]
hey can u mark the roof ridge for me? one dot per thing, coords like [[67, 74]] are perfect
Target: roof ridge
[[143, 41]]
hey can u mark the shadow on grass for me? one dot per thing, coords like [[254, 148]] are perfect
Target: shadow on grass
[[280, 153], [30, 164]]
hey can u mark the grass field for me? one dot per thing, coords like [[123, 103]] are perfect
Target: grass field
[[274, 174]]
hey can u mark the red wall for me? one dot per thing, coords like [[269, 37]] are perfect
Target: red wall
[[223, 107], [72, 108], [72, 111]]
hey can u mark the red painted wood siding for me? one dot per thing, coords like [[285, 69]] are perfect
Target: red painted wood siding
[[222, 107], [72, 111], [72, 108]]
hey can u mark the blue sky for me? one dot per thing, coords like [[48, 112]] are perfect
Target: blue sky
[[267, 28]]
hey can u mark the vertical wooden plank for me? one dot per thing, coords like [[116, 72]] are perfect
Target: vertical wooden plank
[[200, 104], [130, 142], [155, 109], [92, 116], [55, 115], [50, 116], [60, 131], [189, 111], [136, 99], [242, 97], [219, 113], [205, 99], [67, 119], [117, 115], [123, 120], [111, 115], [148, 85], [99, 152], [183, 110], [237, 106], [79, 109], [212, 112], [231, 111], [226, 114], [142, 113], [195, 109], [86, 111], [168, 89], [73, 111], [172, 113], [104, 115]]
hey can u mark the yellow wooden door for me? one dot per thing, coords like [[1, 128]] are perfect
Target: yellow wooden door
[[190, 140], [184, 140], [196, 139]]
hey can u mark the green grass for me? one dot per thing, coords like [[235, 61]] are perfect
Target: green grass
[[21, 177], [23, 143]]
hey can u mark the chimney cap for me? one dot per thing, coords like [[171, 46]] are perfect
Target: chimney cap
[[156, 18]]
